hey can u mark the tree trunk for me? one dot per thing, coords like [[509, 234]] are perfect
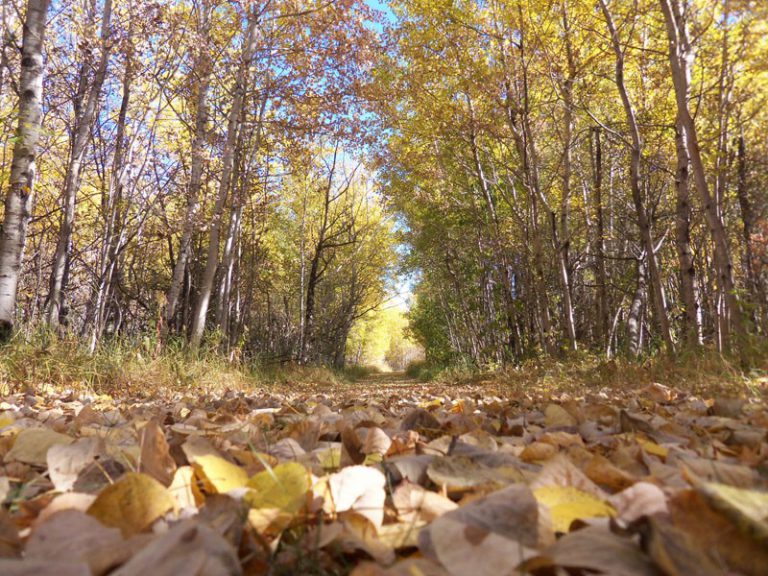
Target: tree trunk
[[681, 59], [690, 317], [599, 242], [18, 200], [233, 129], [202, 73], [635, 321], [83, 120], [643, 219]]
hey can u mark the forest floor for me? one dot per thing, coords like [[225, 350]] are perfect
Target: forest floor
[[549, 468]]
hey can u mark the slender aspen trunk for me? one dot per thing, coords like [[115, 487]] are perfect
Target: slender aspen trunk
[[691, 315], [635, 320], [233, 129], [202, 74], [681, 57], [643, 219], [18, 199], [599, 240], [83, 121]]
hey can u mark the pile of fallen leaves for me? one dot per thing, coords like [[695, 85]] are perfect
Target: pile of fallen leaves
[[413, 481]]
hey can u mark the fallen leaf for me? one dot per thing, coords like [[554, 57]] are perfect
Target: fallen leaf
[[360, 489], [219, 475], [66, 461], [487, 537], [189, 548], [132, 503], [277, 495], [74, 536], [31, 445], [155, 459], [595, 548], [566, 504]]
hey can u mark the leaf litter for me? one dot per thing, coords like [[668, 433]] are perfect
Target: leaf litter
[[429, 480]]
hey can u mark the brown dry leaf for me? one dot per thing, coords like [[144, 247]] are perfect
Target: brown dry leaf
[[74, 536], [715, 535], [538, 452], [560, 471], [602, 471], [155, 458], [31, 445], [474, 471], [66, 461], [595, 548], [10, 542], [42, 568], [132, 503], [676, 553], [189, 549], [376, 441], [353, 447], [748, 509], [487, 537]]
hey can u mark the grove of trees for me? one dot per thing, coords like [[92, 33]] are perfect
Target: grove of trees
[[580, 174], [182, 168], [554, 174]]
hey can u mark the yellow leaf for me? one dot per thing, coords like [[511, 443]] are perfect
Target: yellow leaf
[[567, 504], [132, 503], [277, 495], [652, 448], [219, 475], [6, 419], [748, 509]]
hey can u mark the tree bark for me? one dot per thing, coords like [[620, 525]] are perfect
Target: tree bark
[[18, 200], [83, 120], [599, 242], [201, 72], [681, 57], [690, 316], [228, 157], [643, 219]]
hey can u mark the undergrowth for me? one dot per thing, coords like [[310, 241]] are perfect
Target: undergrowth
[[41, 362]]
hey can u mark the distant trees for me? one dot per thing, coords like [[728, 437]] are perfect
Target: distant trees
[[545, 158], [175, 136]]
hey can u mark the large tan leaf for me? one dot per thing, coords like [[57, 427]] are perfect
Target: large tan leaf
[[71, 535], [360, 489], [188, 549], [42, 568], [487, 537], [31, 445], [414, 503], [66, 461], [132, 503], [595, 548]]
